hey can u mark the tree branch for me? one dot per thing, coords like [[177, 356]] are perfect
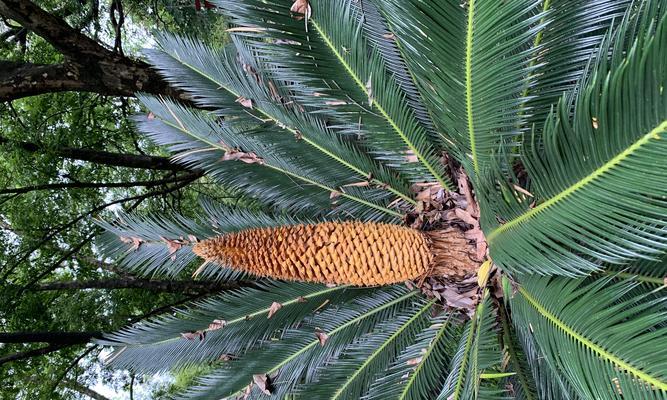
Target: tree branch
[[22, 355], [84, 390], [52, 338], [174, 286], [89, 66], [99, 156], [85, 185]]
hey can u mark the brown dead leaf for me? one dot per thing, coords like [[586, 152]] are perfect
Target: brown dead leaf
[[150, 115], [192, 335], [275, 306], [389, 36], [287, 41], [334, 194], [251, 71], [248, 158], [263, 382], [246, 392], [522, 190], [424, 195], [274, 92], [217, 324], [410, 156], [302, 9], [173, 246], [135, 241], [301, 299], [465, 217], [193, 238], [322, 337], [414, 361], [335, 102], [357, 184], [464, 189], [247, 103]]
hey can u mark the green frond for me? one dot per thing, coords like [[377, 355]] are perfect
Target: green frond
[[471, 63], [547, 382], [203, 142], [647, 272], [327, 58], [599, 177], [366, 358], [478, 354], [420, 370], [297, 354], [565, 46], [242, 324], [154, 245], [273, 105], [521, 385], [604, 343]]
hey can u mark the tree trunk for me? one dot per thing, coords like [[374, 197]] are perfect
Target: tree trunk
[[88, 66], [52, 338], [100, 157], [84, 390], [182, 286]]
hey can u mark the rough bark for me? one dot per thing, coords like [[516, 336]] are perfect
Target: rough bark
[[88, 65]]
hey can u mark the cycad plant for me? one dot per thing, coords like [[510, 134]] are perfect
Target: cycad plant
[[443, 200]]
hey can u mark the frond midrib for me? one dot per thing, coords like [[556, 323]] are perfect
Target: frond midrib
[[468, 86], [589, 344], [609, 165], [379, 107], [379, 350]]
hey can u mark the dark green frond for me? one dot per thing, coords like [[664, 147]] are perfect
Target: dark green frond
[[471, 63], [599, 177], [157, 245], [201, 141], [366, 358], [223, 326], [333, 67], [273, 106], [296, 356], [604, 343], [420, 370], [563, 49], [478, 354]]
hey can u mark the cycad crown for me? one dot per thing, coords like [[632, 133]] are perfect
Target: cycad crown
[[356, 253], [539, 128]]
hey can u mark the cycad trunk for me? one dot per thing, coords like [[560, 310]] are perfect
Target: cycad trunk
[[362, 254]]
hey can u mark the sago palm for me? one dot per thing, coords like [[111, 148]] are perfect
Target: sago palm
[[445, 200]]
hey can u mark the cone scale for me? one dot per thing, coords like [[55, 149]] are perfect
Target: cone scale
[[354, 253]]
